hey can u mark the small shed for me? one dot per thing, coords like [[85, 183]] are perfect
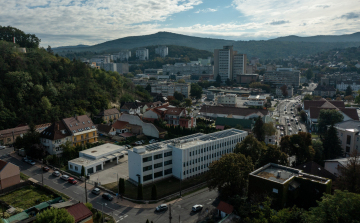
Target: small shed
[[224, 209]]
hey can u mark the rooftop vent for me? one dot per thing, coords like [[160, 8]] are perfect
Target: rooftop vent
[[278, 174], [94, 151]]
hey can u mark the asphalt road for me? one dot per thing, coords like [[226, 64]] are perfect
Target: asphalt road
[[120, 212]]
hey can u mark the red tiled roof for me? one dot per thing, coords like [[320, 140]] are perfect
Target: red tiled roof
[[315, 111], [120, 124], [79, 211], [2, 164], [225, 207], [174, 111], [319, 103], [104, 128], [351, 112], [78, 122], [221, 127]]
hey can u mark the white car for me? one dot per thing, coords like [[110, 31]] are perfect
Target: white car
[[65, 177], [197, 207], [277, 127], [290, 129], [138, 143], [161, 207]]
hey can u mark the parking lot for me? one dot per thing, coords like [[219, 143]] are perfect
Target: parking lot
[[112, 172]]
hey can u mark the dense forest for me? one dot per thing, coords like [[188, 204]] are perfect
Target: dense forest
[[39, 87]]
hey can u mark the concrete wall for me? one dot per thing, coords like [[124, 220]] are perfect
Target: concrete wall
[[135, 165], [332, 167], [148, 128], [9, 175]]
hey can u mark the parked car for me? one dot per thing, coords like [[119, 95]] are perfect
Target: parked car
[[299, 129], [56, 173], [290, 129], [107, 196], [25, 159], [197, 207], [282, 134], [65, 177], [2, 147], [277, 127], [138, 143], [161, 207], [288, 124], [46, 169], [31, 162], [152, 141], [96, 191], [72, 180]]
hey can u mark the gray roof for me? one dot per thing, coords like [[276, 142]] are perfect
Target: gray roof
[[350, 124], [343, 161]]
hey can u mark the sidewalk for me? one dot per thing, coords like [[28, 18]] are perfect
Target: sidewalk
[[119, 201]]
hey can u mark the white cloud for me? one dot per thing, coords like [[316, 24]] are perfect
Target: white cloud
[[206, 10]]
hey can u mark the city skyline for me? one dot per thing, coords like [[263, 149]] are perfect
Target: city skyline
[[66, 22]]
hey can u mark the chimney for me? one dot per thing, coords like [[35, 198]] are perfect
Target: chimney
[[75, 116], [279, 174]]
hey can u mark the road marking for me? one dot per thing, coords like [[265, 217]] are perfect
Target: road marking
[[75, 192]]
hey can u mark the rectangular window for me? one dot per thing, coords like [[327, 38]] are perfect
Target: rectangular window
[[187, 163], [347, 149], [168, 154], [159, 156], [157, 165], [195, 160], [147, 177], [348, 140], [190, 153], [187, 172], [158, 174], [146, 168], [184, 173], [168, 171], [196, 152], [147, 159], [199, 159], [71, 166], [169, 162], [184, 164]]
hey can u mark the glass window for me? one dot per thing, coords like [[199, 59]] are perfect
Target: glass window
[[157, 156], [169, 162], [147, 159], [158, 174], [146, 168], [157, 165], [147, 177]]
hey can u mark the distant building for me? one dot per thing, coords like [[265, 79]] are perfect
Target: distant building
[[109, 114], [289, 89], [101, 59], [188, 69], [227, 100], [282, 76], [288, 186], [142, 54], [247, 78], [124, 55], [256, 100], [152, 71], [343, 85], [235, 112], [349, 135], [169, 89], [228, 63], [121, 68], [333, 165], [9, 136], [315, 169], [163, 51], [324, 91]]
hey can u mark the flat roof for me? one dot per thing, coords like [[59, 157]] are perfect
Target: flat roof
[[102, 150], [282, 174]]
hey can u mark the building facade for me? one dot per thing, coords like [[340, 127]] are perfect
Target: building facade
[[343, 85], [54, 136], [82, 129], [169, 89], [9, 174], [282, 76], [247, 78], [227, 99], [124, 55], [325, 91], [108, 114], [142, 54], [188, 69], [163, 51], [348, 133], [182, 157]]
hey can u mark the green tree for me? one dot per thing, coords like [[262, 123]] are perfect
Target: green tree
[[140, 192], [348, 91], [298, 145], [273, 154], [284, 90], [319, 151], [24, 40], [154, 192], [121, 186], [331, 144], [269, 129], [328, 117], [229, 174], [49, 50], [349, 174], [89, 206], [148, 88], [303, 115], [181, 81], [258, 129], [308, 97], [54, 215], [178, 96], [147, 221], [188, 102], [196, 91], [343, 206], [218, 79], [82, 171], [251, 147]]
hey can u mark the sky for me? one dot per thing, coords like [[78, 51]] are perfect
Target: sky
[[74, 22]]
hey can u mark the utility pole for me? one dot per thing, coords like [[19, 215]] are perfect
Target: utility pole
[[170, 213], [86, 189]]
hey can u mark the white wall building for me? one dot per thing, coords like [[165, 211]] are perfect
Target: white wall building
[[163, 51], [124, 55], [355, 85], [188, 69], [95, 158], [256, 100], [169, 89], [182, 157], [142, 54], [227, 99]]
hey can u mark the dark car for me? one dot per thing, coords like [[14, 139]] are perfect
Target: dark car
[[45, 168], [107, 196], [72, 180]]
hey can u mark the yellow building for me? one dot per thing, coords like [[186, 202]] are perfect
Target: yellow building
[[82, 129]]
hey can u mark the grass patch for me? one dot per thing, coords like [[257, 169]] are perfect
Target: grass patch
[[164, 187], [27, 197], [314, 136], [23, 176]]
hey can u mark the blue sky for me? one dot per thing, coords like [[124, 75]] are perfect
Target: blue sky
[[73, 22]]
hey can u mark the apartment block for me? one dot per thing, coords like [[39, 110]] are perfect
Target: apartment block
[[121, 68], [348, 133], [282, 76], [142, 54], [188, 69], [227, 100], [182, 157], [163, 51], [124, 55], [169, 89], [228, 63]]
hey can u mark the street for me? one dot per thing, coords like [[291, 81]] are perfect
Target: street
[[117, 208]]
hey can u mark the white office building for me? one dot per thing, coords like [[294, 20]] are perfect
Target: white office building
[[227, 99], [181, 157], [95, 158], [142, 54], [169, 89], [124, 55], [163, 51]]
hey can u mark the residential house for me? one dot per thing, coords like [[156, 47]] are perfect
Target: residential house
[[132, 108], [315, 169], [324, 91], [333, 165], [82, 129], [138, 126], [9, 174], [109, 114], [237, 113], [348, 133], [224, 209], [54, 136], [8, 136], [121, 127], [288, 186], [81, 213], [107, 130], [313, 108]]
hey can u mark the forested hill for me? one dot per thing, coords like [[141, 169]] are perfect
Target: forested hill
[[355, 37], [38, 87], [262, 49]]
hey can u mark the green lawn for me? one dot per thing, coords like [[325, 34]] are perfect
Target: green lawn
[[26, 197], [314, 136], [164, 187], [23, 176]]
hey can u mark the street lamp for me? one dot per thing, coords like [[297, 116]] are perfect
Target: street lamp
[[102, 210]]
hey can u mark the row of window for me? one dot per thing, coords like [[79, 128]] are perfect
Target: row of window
[[214, 147], [157, 174], [196, 169], [206, 157], [157, 165], [158, 156]]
